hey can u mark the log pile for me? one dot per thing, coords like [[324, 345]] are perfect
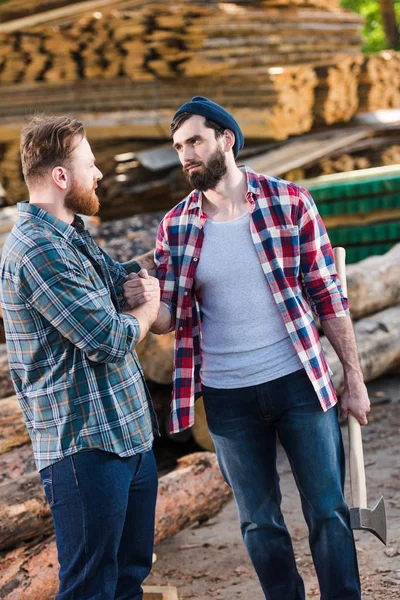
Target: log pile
[[336, 96], [16, 9], [379, 86], [277, 100], [158, 41], [193, 492]]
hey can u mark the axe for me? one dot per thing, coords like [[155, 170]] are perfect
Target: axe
[[361, 517]]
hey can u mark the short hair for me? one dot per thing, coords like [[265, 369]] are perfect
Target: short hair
[[46, 142], [183, 117]]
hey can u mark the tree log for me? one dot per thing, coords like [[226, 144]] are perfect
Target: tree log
[[24, 511], [194, 491], [16, 462], [6, 385], [13, 432], [374, 283]]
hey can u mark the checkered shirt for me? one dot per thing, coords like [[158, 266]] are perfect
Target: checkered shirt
[[71, 352], [297, 260]]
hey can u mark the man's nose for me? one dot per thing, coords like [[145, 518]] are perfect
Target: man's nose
[[188, 155], [99, 174]]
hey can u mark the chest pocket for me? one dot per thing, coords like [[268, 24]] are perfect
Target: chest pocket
[[282, 245]]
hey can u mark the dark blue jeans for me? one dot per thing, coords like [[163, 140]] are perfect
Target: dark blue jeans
[[243, 424], [103, 509]]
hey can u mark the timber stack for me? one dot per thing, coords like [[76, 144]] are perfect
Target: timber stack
[[281, 67]]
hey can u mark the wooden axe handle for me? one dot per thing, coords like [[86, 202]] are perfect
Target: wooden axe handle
[[357, 471]]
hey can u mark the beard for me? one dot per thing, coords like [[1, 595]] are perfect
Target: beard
[[208, 175], [81, 200]]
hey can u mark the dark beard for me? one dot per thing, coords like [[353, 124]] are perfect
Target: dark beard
[[82, 201], [209, 175]]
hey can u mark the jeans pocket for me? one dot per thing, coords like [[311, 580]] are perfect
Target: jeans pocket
[[138, 464], [46, 476]]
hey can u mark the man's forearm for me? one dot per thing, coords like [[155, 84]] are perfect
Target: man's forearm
[[340, 333], [146, 261], [163, 322], [145, 319]]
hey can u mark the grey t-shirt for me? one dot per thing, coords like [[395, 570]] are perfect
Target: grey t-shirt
[[244, 340]]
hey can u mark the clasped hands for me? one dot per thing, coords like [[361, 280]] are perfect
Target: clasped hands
[[140, 288]]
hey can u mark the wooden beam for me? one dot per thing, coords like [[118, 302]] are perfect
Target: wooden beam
[[160, 592]]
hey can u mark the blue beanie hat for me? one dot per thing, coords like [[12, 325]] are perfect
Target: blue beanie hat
[[211, 110]]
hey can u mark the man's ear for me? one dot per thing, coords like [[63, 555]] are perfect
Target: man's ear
[[60, 177], [229, 140]]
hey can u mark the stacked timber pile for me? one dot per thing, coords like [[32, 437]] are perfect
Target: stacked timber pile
[[379, 86], [161, 40], [336, 97], [16, 9]]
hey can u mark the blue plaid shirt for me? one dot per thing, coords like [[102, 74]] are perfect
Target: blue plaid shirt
[[71, 352]]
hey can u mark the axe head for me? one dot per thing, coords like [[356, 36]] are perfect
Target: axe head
[[372, 519]]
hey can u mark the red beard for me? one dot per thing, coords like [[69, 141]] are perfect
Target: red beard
[[82, 201]]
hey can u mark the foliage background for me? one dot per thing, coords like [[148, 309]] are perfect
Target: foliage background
[[373, 31]]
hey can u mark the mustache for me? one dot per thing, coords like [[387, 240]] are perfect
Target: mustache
[[192, 164]]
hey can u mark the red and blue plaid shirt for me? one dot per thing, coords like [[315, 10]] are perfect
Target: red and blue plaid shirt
[[297, 259]]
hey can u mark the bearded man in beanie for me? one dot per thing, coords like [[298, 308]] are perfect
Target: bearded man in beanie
[[243, 262]]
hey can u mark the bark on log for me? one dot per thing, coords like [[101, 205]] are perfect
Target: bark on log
[[13, 432], [16, 462], [24, 511], [6, 385], [194, 491]]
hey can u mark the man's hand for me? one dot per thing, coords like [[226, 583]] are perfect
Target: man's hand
[[355, 400], [140, 288]]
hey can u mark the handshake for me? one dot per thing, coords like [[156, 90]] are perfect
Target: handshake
[[142, 290]]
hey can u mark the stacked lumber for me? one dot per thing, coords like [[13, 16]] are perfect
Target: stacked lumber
[[14, 9], [379, 86], [275, 102], [159, 40], [336, 97]]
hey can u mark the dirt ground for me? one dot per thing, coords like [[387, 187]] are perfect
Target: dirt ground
[[210, 561]]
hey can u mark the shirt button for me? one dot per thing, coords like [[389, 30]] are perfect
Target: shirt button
[[195, 259], [185, 293], [181, 328]]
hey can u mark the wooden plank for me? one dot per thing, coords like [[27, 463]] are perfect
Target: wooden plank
[[57, 13], [296, 154], [160, 592]]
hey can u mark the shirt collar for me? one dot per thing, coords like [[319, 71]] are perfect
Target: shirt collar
[[27, 210], [253, 189]]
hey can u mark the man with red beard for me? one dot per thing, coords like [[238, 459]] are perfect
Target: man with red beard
[[243, 261], [75, 370]]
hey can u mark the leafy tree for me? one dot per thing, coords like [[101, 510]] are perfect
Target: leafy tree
[[373, 31]]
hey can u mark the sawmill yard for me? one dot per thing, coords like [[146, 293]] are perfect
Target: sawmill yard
[[314, 109]]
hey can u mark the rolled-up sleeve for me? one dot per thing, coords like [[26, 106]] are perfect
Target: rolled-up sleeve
[[317, 263], [52, 281]]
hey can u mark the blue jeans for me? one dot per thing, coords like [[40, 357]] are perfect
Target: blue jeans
[[243, 423], [103, 509]]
